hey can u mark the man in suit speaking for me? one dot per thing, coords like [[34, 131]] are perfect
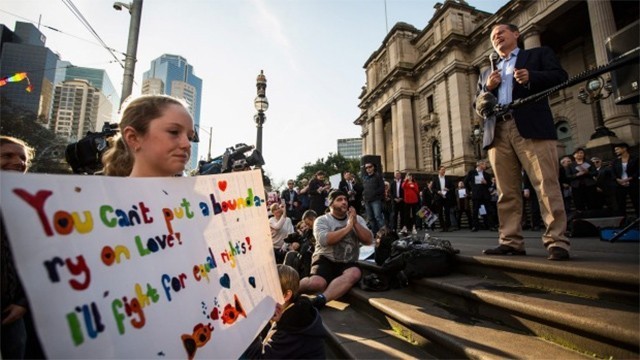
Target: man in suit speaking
[[525, 138]]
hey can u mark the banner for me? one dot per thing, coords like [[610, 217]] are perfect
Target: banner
[[143, 267]]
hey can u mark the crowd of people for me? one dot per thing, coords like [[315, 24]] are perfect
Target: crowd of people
[[325, 227]]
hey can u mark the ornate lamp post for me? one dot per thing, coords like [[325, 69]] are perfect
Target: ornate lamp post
[[593, 94], [262, 104]]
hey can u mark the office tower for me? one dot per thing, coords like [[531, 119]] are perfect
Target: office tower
[[172, 75], [23, 50], [78, 108], [99, 79], [350, 148]]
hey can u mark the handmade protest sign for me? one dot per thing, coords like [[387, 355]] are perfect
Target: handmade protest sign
[[143, 267]]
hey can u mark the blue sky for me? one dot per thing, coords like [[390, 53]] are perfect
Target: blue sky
[[312, 53]]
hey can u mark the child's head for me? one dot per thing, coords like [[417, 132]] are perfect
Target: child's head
[[289, 282], [154, 139]]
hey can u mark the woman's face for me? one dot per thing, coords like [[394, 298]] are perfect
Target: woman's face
[[579, 155], [165, 149], [13, 157]]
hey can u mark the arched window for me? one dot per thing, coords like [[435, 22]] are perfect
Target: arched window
[[435, 153], [563, 130]]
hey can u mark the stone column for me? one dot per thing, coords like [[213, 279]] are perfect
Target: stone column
[[379, 138], [394, 133], [531, 37], [406, 144], [369, 138], [618, 118]]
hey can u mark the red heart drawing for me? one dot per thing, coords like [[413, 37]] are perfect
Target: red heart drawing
[[222, 184], [214, 314]]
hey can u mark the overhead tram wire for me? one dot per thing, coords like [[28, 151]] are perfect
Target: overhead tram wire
[[68, 34], [61, 32], [63, 67], [76, 12]]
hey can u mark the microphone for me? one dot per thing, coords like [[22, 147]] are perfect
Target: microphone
[[493, 59]]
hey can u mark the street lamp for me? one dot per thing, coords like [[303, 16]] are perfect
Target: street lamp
[[135, 10], [593, 94], [261, 104], [476, 140]]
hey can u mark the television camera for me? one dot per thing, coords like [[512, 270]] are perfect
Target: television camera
[[235, 158], [85, 156]]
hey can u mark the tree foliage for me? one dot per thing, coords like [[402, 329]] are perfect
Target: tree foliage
[[334, 164], [50, 149]]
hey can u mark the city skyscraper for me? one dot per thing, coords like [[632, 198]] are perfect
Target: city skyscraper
[[23, 50], [78, 107], [350, 148], [99, 79], [173, 75]]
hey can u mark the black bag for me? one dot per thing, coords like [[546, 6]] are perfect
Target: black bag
[[412, 258], [386, 237], [374, 282], [582, 228]]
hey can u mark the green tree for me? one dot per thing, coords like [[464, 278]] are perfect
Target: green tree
[[334, 164], [50, 149]]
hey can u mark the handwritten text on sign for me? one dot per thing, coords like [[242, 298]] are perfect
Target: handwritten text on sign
[[126, 267]]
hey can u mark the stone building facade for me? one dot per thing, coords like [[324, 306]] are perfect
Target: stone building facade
[[416, 106]]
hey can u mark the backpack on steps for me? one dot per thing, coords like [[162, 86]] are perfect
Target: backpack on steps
[[384, 239], [412, 258]]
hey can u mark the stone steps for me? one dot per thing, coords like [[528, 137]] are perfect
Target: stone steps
[[497, 307], [356, 334]]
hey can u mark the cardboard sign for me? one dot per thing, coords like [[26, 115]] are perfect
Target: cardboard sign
[[143, 267]]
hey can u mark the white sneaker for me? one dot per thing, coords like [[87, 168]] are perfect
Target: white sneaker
[[404, 230], [414, 231]]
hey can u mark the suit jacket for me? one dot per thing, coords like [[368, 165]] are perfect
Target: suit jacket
[[606, 179], [632, 169], [357, 188], [478, 191], [534, 120], [286, 196], [449, 198], [396, 193]]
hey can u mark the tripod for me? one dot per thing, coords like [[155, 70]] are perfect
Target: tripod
[[625, 230]]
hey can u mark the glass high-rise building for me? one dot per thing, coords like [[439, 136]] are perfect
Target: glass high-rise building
[[97, 78], [173, 75], [23, 50], [350, 148]]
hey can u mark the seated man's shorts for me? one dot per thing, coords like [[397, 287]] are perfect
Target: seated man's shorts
[[328, 269]]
